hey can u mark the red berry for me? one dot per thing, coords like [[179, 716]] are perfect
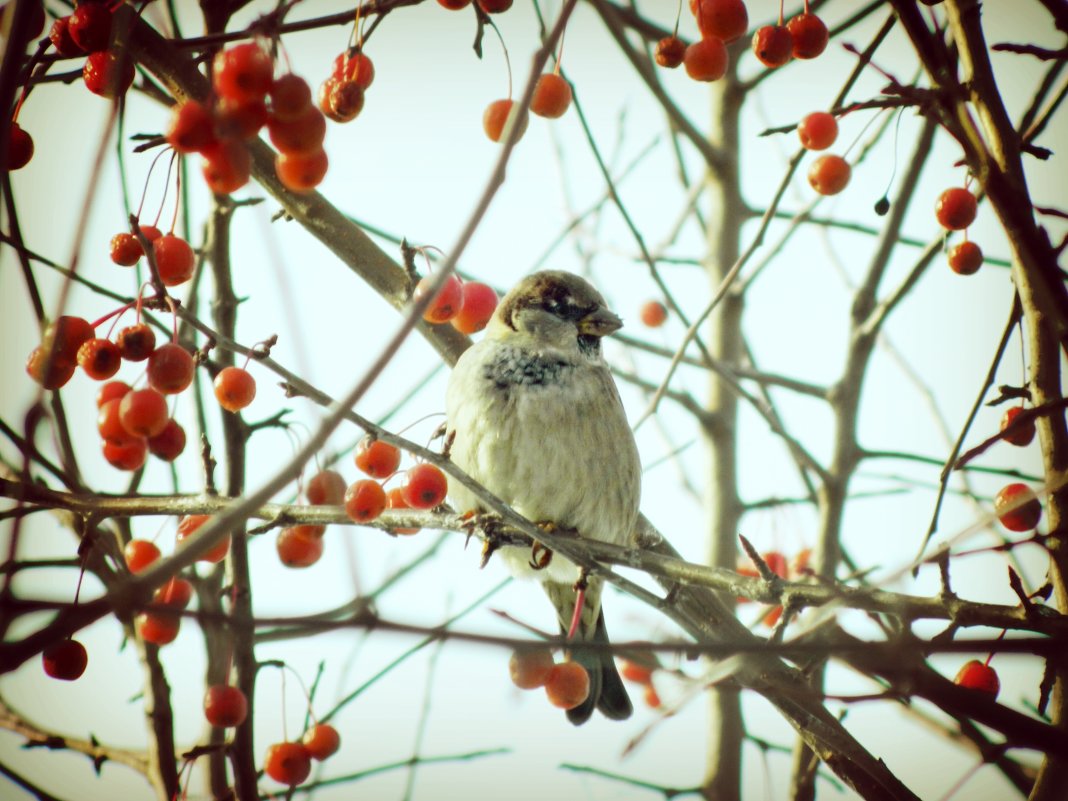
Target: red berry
[[479, 303], [158, 628], [1023, 433], [189, 525], [395, 500], [956, 209], [139, 554], [298, 546], [632, 671], [321, 741], [494, 6], [290, 97], [653, 313], [454, 5], [651, 697], [287, 763], [670, 51], [325, 488], [65, 660], [301, 172], [425, 486], [243, 72], [136, 342], [706, 60], [143, 412], [498, 119], [446, 303], [235, 388], [89, 26], [817, 130], [809, 35], [99, 358], [191, 128], [19, 147], [530, 667], [109, 423], [175, 594], [150, 232], [355, 67], [129, 454], [829, 174], [364, 500], [170, 369], [976, 676], [108, 74], [965, 258], [65, 336], [175, 259], [1017, 507], [777, 563], [126, 249], [773, 45], [225, 706], [227, 166], [50, 371], [376, 458], [304, 134], [110, 391], [722, 19], [239, 120], [567, 685], [62, 41], [169, 443], [552, 96]]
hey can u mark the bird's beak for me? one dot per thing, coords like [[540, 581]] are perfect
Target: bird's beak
[[599, 323]]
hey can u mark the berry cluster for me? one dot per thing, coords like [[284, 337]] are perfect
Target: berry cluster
[[87, 30], [566, 683], [341, 95], [829, 173], [955, 210], [290, 762], [468, 305]]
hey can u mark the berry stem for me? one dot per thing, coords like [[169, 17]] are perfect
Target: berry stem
[[576, 617], [174, 319], [781, 17], [110, 314], [678, 15], [144, 189], [177, 195], [991, 654]]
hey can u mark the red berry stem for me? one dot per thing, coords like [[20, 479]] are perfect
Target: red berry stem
[[177, 196], [174, 319], [991, 654], [576, 617], [114, 313]]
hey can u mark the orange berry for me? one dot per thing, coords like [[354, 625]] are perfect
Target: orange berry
[[1017, 507], [1022, 434], [243, 72], [499, 117], [706, 60], [809, 35], [817, 130], [552, 96], [670, 51], [395, 500], [723, 19], [376, 458], [530, 667], [321, 740], [287, 763], [157, 628], [143, 412], [127, 455], [174, 259], [829, 174], [773, 45], [446, 303], [301, 172], [567, 685], [226, 167], [126, 250], [136, 342], [325, 488], [170, 369], [965, 258], [632, 671], [425, 486], [139, 554], [235, 388], [479, 303], [956, 209], [99, 358], [225, 706], [190, 524], [298, 547], [365, 500], [976, 676], [653, 313]]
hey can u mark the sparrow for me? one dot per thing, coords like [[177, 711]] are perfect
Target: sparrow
[[534, 415]]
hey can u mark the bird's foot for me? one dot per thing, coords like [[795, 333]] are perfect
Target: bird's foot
[[489, 526]]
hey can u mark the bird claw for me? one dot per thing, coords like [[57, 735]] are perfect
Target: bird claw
[[490, 524]]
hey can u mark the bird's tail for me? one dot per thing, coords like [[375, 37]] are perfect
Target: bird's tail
[[607, 692]]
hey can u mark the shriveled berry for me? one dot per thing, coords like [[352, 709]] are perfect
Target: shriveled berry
[[126, 249], [669, 52], [136, 342], [340, 99], [99, 358], [773, 45]]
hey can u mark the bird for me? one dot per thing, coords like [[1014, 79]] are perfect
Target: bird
[[534, 415]]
